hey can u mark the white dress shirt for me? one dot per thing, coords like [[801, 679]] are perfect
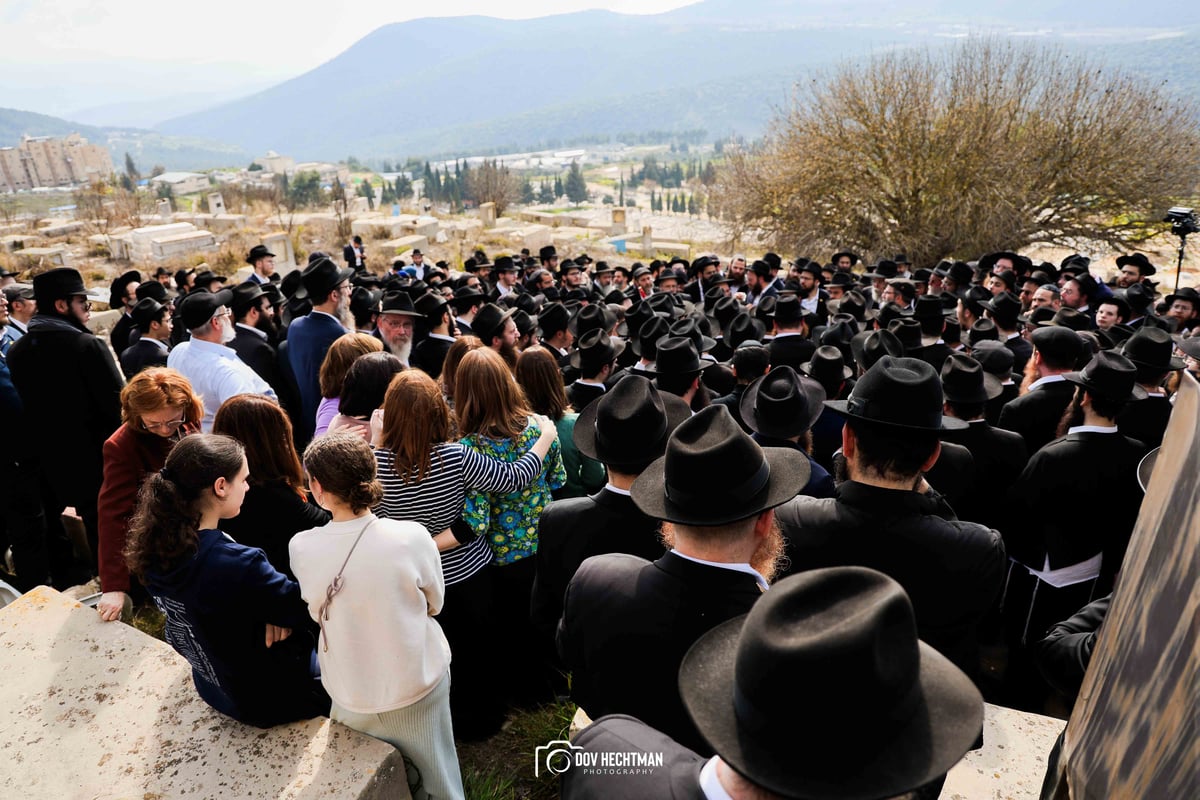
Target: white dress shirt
[[216, 374]]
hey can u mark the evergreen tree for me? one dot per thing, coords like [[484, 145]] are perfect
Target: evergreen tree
[[691, 206], [131, 170], [621, 190], [526, 191], [429, 181], [558, 187], [576, 187]]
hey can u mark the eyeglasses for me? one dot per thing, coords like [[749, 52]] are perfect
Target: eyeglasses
[[169, 426], [224, 312], [87, 304]]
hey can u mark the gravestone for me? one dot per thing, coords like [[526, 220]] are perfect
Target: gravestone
[[216, 203], [487, 214], [163, 207], [618, 222], [92, 709]]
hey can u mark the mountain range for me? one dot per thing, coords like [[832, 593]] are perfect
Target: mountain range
[[449, 86]]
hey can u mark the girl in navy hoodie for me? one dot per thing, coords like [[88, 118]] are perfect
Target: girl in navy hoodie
[[229, 612]]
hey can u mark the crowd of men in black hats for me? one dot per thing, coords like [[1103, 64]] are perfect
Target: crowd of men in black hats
[[954, 449]]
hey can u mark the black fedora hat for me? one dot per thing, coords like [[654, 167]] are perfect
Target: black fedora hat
[[853, 303], [525, 323], [679, 486], [1140, 298], [900, 393], [995, 358], [257, 252], [724, 309], [844, 279], [595, 349], [1109, 375], [1152, 348], [929, 306], [1005, 308], [1186, 293], [964, 380], [675, 355], [292, 286], [592, 317], [646, 344], [984, 330], [630, 424], [547, 252], [57, 284], [852, 256], [245, 294], [1138, 260], [1036, 316], [207, 277], [553, 318], [504, 264], [152, 289], [908, 331], [870, 346], [636, 315], [788, 309], [689, 327], [488, 322], [400, 303], [116, 295], [782, 403], [892, 311], [828, 366], [198, 307], [883, 269], [743, 328], [766, 308], [1067, 317], [883, 712], [321, 277], [430, 305], [961, 273], [146, 311], [467, 296]]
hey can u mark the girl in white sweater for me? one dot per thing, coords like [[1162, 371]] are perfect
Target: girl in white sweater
[[374, 585]]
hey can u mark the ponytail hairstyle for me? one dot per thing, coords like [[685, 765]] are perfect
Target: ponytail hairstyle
[[344, 465], [165, 524]]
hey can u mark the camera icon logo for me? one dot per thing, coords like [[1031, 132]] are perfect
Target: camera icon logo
[[554, 758]]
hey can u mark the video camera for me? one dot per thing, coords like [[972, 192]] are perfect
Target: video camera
[[1183, 221]]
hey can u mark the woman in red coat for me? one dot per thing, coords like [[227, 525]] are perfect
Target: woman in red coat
[[158, 408]]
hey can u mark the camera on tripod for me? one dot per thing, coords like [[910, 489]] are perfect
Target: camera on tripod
[[1183, 221]]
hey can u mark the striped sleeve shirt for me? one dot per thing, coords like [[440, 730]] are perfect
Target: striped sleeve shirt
[[437, 501]]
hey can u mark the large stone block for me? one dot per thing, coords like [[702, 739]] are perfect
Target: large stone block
[[100, 710], [404, 244]]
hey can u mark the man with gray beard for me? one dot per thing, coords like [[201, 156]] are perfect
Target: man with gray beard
[[214, 369], [396, 320]]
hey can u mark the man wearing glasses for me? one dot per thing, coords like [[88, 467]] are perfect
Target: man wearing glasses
[[70, 388], [214, 369]]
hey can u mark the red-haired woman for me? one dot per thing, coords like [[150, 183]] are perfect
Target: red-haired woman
[[158, 408]]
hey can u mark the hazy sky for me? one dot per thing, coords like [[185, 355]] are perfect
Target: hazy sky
[[53, 48]]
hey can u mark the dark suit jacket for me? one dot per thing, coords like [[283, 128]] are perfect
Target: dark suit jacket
[[953, 571], [953, 476], [572, 531], [1146, 420], [142, 354], [430, 355], [626, 625], [677, 779], [791, 350], [1036, 415], [1077, 497], [993, 407], [999, 457], [121, 336], [934, 355], [1022, 351], [308, 339], [581, 396], [352, 257], [733, 401]]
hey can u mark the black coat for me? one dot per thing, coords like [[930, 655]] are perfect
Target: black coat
[[1022, 351], [572, 531], [993, 407], [271, 515], [268, 364], [953, 476], [142, 354], [430, 355], [122, 334], [581, 396], [953, 571], [791, 351], [733, 401], [999, 457], [1146, 420], [677, 779], [934, 355], [627, 624], [1035, 415], [1077, 497], [71, 389], [1064, 655]]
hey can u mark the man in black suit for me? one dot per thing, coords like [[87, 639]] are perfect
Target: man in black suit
[[791, 345], [153, 320], [466, 302], [355, 255], [1036, 413], [928, 313], [625, 430], [123, 296], [430, 353], [1150, 350], [997, 360], [628, 622], [1003, 309], [595, 358], [998, 455], [887, 517], [843, 710], [699, 272]]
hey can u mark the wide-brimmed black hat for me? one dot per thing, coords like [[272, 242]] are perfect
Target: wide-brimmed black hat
[[466, 296], [567, 266], [1109, 375], [400, 303], [884, 713], [430, 305], [995, 358], [844, 279], [961, 273], [554, 318], [852, 256], [207, 277], [984, 330], [198, 307], [116, 294], [146, 311], [1186, 293], [646, 344], [321, 277], [908, 331], [766, 308], [630, 424], [636, 315], [595, 349], [883, 269], [1152, 348], [724, 309], [504, 264], [245, 294], [828, 366], [1140, 298], [782, 403], [1138, 260], [488, 322], [675, 355], [964, 380], [900, 393], [679, 486], [853, 303], [547, 252], [743, 328], [57, 284], [292, 286], [929, 306], [891, 311], [152, 289], [690, 328], [593, 316], [788, 309], [1067, 317], [257, 252], [1005, 308], [870, 346], [1036, 316]]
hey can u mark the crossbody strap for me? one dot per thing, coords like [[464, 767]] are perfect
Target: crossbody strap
[[336, 586]]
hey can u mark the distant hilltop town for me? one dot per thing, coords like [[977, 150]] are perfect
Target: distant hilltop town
[[49, 162]]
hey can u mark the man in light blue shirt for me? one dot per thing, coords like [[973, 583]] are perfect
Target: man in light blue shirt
[[215, 371]]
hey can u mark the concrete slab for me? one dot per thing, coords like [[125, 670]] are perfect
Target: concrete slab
[[1012, 762], [102, 711]]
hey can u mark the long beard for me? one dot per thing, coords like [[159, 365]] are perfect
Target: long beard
[[228, 332], [768, 560], [1030, 375], [1073, 416], [401, 350], [509, 353], [267, 326], [342, 312]]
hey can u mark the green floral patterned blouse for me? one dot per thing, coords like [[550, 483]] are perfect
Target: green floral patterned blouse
[[510, 521]]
